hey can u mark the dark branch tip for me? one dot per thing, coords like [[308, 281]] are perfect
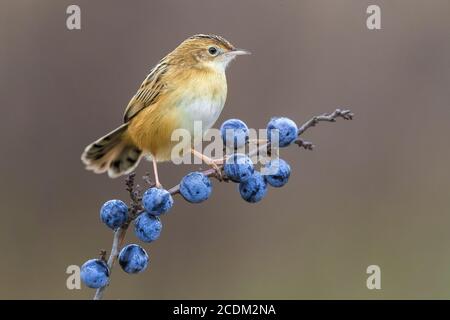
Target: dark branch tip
[[102, 255]]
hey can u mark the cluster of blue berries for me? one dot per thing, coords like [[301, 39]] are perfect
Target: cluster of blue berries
[[239, 167], [195, 187], [147, 228]]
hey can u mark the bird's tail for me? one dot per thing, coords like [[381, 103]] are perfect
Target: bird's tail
[[113, 153]]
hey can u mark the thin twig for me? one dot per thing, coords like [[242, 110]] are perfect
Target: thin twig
[[119, 236], [136, 194], [330, 117]]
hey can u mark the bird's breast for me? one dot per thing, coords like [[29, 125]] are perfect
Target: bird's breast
[[202, 101], [191, 100]]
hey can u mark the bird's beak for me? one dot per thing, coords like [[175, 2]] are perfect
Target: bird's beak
[[238, 52]]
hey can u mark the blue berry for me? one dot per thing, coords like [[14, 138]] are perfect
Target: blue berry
[[114, 213], [239, 167], [287, 130], [234, 133], [147, 227], [95, 273], [195, 187], [254, 189], [157, 201], [133, 259], [278, 172]]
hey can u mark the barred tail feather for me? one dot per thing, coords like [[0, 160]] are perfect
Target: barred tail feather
[[112, 153]]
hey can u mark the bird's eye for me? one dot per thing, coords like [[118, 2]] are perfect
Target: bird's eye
[[213, 51]]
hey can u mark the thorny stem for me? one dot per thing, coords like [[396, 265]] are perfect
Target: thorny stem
[[136, 194], [119, 234], [330, 117]]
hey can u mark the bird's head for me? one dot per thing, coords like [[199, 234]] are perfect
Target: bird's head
[[206, 51]]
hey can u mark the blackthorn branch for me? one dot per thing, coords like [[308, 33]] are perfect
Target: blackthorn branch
[[119, 234], [136, 195], [330, 117]]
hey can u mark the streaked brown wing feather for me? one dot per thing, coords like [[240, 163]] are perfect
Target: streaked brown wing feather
[[149, 92]]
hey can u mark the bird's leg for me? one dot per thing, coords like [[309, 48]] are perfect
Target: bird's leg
[[210, 162], [155, 170]]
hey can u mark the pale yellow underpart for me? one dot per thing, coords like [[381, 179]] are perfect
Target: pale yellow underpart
[[200, 97]]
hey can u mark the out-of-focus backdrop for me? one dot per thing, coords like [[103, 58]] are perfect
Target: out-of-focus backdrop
[[375, 191]]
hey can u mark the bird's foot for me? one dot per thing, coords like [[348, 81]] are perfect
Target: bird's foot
[[213, 163]]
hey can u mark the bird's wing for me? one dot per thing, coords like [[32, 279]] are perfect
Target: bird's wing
[[149, 91]]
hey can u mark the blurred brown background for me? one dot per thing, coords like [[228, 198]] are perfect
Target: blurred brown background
[[375, 191]]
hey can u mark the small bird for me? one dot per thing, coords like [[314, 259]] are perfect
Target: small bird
[[187, 85]]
